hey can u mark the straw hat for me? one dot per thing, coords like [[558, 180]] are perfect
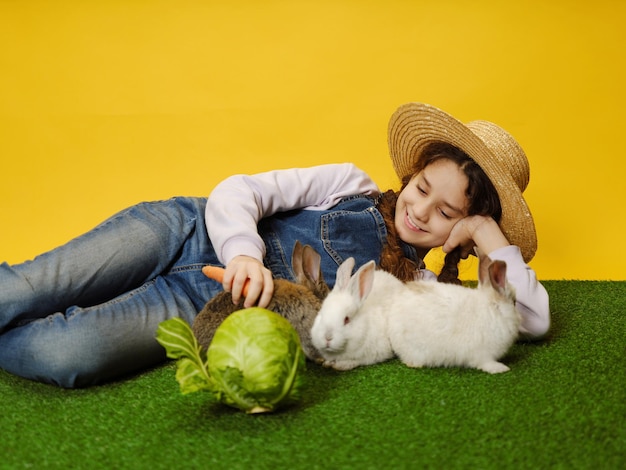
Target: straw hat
[[414, 125]]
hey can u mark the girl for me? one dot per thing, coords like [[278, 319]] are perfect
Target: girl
[[87, 312]]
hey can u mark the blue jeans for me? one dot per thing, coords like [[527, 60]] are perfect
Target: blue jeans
[[87, 312]]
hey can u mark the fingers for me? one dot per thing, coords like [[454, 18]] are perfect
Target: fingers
[[247, 277], [449, 245], [475, 230], [466, 249], [268, 290], [456, 237], [461, 236]]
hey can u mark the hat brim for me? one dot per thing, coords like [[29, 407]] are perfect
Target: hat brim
[[415, 125]]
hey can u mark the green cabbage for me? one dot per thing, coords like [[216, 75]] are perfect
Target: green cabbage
[[254, 362]]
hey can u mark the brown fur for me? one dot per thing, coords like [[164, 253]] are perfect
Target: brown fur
[[297, 302]]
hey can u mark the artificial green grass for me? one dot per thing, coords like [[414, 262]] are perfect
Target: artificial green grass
[[562, 405]]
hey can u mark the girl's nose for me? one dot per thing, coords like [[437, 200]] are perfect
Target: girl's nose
[[420, 212]]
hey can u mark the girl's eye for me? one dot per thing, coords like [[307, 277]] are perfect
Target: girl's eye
[[445, 216], [421, 190]]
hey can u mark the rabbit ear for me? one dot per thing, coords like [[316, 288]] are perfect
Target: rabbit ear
[[362, 281], [483, 265], [312, 264], [343, 274], [497, 275], [296, 259]]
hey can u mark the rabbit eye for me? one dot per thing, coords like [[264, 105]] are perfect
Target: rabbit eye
[[346, 320]]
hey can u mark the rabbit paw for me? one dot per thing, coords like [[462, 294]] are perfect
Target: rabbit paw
[[494, 367], [341, 365]]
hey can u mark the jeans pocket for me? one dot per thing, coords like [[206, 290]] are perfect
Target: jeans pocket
[[360, 235]]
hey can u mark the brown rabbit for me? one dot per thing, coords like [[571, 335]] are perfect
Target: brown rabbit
[[297, 301]]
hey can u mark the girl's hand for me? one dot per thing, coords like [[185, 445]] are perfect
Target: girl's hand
[[475, 230], [260, 285]]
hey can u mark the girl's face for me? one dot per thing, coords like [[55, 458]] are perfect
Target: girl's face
[[430, 205]]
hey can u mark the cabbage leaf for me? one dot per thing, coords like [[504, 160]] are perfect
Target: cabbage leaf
[[177, 338]]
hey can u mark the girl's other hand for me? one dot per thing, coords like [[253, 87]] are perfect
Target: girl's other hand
[[475, 230], [260, 285]]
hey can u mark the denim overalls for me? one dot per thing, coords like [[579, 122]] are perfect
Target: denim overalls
[[87, 312], [354, 227]]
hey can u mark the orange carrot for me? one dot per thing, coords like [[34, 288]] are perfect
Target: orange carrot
[[217, 274]]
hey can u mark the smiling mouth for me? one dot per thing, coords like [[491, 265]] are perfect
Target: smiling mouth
[[409, 223]]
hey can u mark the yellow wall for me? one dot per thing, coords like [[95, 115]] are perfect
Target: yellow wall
[[107, 103]]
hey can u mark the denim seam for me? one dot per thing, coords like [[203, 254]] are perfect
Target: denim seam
[[187, 268]]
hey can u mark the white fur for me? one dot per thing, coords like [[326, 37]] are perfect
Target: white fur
[[372, 316]]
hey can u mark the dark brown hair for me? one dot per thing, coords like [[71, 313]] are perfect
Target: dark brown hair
[[482, 197]]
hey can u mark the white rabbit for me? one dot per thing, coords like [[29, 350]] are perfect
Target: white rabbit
[[351, 327], [372, 316]]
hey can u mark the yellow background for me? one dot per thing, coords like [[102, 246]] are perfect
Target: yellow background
[[108, 103]]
